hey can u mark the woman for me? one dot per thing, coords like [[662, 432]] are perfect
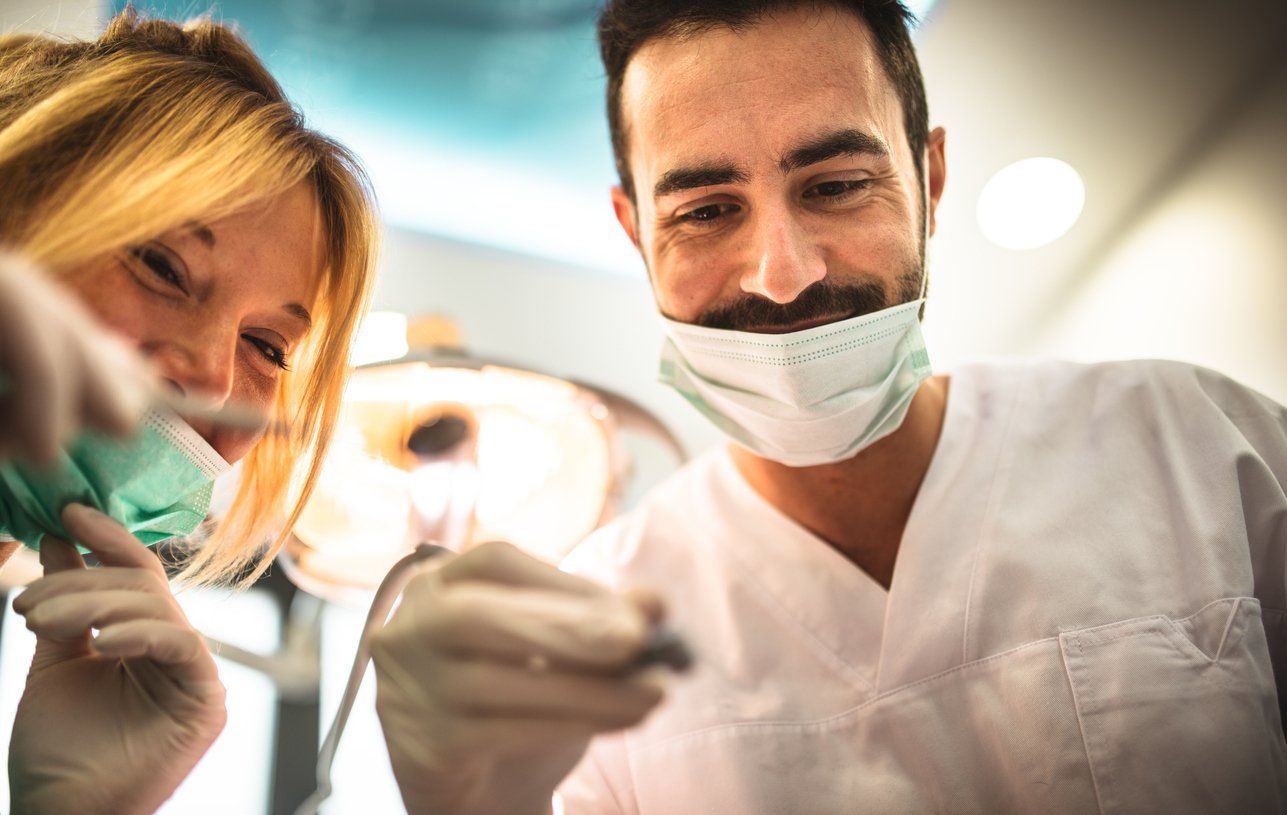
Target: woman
[[172, 196]]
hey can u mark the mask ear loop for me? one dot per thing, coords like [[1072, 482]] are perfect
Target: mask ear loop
[[390, 588]]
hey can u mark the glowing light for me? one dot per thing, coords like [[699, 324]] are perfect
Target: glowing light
[[542, 478], [1031, 203], [383, 336]]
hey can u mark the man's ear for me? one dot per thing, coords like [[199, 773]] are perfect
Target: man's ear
[[625, 210], [936, 172]]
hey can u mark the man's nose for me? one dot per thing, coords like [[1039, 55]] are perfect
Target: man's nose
[[787, 260], [201, 365]]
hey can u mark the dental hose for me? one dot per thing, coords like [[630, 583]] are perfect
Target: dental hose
[[448, 438], [385, 596]]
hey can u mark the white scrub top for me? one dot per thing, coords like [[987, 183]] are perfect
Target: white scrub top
[[1084, 617]]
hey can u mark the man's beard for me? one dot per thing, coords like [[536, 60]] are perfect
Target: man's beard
[[824, 299]]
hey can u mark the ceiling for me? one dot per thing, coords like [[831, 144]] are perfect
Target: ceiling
[[482, 121]]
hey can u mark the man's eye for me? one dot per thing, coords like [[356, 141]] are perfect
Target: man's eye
[[834, 190], [708, 213], [157, 261], [268, 351]]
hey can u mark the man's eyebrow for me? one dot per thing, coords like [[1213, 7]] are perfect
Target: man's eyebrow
[[847, 142], [203, 233], [691, 178], [299, 311]]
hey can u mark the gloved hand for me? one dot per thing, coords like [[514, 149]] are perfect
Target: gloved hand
[[108, 724], [495, 672], [59, 370]]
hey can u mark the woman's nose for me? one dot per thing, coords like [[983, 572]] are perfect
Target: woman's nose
[[201, 366], [787, 261]]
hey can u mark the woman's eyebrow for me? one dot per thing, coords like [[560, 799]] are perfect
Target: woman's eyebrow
[[202, 232], [296, 310]]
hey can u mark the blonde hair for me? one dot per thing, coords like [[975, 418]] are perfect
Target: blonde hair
[[106, 144]]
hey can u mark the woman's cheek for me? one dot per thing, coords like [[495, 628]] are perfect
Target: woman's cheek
[[233, 445], [252, 389], [105, 288]]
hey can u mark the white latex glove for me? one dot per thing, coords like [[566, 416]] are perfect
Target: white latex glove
[[60, 371], [495, 672], [108, 724]]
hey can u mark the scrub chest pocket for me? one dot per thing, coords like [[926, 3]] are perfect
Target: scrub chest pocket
[[1146, 715], [1180, 715]]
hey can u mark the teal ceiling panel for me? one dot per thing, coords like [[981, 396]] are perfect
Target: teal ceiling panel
[[479, 120]]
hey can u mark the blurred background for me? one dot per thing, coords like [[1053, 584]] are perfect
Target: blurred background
[[1117, 188]]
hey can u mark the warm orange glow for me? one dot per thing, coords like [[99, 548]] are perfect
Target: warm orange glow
[[542, 476]]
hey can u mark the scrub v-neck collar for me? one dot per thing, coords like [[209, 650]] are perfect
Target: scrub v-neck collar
[[840, 607]]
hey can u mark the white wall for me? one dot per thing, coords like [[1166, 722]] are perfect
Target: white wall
[[593, 326], [1204, 277]]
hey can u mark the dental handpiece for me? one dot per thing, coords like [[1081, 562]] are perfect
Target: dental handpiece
[[449, 438], [665, 647]]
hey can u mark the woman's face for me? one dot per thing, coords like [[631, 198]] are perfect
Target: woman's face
[[217, 307]]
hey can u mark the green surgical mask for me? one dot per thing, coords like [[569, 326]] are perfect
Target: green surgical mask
[[156, 483]]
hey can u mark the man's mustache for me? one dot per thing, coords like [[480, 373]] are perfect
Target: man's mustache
[[822, 300]]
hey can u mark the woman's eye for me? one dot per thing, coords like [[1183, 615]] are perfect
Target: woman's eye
[[708, 213], [835, 190], [159, 264], [268, 351]]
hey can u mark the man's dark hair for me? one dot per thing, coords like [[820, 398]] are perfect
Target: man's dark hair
[[626, 25]]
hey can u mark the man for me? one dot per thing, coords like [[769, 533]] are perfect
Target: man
[[1033, 588]]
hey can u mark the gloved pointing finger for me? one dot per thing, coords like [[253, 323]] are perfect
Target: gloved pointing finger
[[477, 619]]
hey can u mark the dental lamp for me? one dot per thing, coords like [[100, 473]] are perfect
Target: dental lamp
[[444, 447], [436, 451]]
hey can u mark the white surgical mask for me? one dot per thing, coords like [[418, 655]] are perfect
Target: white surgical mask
[[809, 397]]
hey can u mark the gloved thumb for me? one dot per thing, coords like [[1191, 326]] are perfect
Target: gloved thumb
[[57, 555]]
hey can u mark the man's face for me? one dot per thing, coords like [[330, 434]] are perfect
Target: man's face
[[774, 187]]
